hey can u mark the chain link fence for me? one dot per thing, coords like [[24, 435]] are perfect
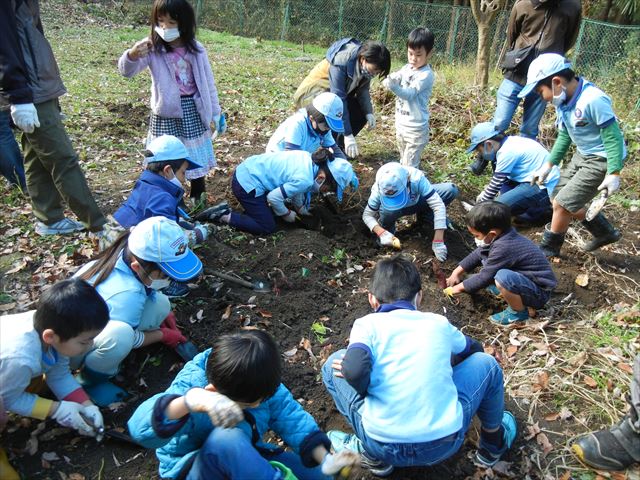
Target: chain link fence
[[599, 48]]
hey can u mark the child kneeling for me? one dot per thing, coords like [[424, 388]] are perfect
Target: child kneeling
[[210, 422], [520, 271], [407, 399]]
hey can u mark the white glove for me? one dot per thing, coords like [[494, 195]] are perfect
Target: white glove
[[289, 217], [371, 120], [92, 415], [439, 250], [222, 411], [333, 463], [69, 414], [391, 82], [611, 184], [350, 146], [386, 238], [25, 116], [541, 175], [203, 229]]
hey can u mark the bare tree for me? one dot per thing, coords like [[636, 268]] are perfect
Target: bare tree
[[484, 12]]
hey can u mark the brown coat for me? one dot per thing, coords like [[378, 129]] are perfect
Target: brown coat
[[526, 21]]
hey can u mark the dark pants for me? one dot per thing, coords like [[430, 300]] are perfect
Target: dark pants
[[53, 173], [357, 119], [258, 217], [11, 165]]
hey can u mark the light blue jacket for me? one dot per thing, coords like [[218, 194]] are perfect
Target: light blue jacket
[[177, 442]]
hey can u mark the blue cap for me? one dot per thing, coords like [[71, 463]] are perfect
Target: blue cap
[[392, 179], [166, 148], [330, 105], [343, 174], [542, 67], [481, 133], [162, 241]]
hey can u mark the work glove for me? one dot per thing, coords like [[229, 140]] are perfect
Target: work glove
[[171, 335], [541, 175], [371, 120], [203, 232], [222, 411], [69, 414], [350, 146], [289, 217], [25, 116], [386, 238], [611, 184], [334, 463], [92, 415], [439, 250], [479, 197], [391, 82], [448, 292]]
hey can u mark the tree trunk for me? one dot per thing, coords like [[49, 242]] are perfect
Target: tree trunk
[[482, 60], [605, 12], [452, 24]]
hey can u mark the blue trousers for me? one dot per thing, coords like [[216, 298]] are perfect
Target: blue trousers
[[447, 191], [11, 163], [228, 453], [524, 198], [507, 103], [478, 380], [258, 217], [515, 282]]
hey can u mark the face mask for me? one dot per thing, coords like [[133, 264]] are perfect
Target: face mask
[[488, 155], [561, 98], [481, 243], [167, 34], [159, 283], [478, 165], [366, 74], [176, 182]]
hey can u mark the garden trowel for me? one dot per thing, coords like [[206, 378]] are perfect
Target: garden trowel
[[260, 286]]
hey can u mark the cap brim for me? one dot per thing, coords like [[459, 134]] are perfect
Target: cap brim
[[473, 147], [191, 165], [528, 88], [184, 269], [396, 202], [335, 124]]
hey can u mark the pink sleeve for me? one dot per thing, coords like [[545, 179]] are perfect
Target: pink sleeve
[[78, 396]]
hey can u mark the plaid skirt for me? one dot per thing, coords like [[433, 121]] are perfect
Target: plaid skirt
[[191, 131]]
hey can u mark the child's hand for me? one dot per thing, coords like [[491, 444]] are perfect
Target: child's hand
[[140, 49], [91, 414], [391, 82], [222, 411], [334, 463], [69, 414], [337, 367], [453, 279]]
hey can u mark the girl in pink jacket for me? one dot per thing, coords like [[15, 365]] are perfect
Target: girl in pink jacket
[[184, 98]]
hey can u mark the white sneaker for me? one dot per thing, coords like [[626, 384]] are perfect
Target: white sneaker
[[61, 227]]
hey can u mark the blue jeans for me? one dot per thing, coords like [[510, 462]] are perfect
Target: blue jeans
[[258, 217], [507, 103], [228, 453], [11, 163], [531, 293], [478, 380], [526, 198], [447, 191]]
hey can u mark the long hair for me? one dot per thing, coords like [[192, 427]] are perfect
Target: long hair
[[182, 12]]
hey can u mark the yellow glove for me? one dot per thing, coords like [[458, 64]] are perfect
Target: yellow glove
[[448, 292]]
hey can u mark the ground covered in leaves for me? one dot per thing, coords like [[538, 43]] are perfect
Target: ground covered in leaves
[[566, 371]]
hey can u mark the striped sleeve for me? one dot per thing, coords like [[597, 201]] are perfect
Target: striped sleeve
[[491, 190]]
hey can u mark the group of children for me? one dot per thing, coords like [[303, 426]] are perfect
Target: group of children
[[409, 382]]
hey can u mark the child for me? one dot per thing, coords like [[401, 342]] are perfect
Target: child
[[210, 422], [159, 192], [184, 98], [521, 273], [128, 276], [584, 117], [396, 386], [70, 314], [347, 71], [282, 183], [311, 126], [412, 84], [514, 161], [401, 190]]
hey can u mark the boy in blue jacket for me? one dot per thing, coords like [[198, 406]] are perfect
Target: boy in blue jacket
[[210, 422], [410, 382], [512, 265]]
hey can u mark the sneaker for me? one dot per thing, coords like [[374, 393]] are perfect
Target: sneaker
[[376, 467], [213, 214], [176, 290], [61, 227], [509, 316], [488, 458], [615, 448], [493, 290]]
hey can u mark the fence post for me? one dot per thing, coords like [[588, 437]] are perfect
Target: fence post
[[285, 22], [199, 11], [576, 49], [340, 18], [385, 26], [452, 45]]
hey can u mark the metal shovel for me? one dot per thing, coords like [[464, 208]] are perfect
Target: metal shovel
[[596, 206], [260, 286]]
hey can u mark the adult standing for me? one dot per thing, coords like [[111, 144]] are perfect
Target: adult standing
[[347, 70], [31, 85], [548, 26]]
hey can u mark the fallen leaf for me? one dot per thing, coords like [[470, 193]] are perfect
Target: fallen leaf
[[590, 382], [552, 417], [540, 381], [16, 268], [566, 475], [578, 359], [50, 456], [625, 367], [544, 442], [582, 280], [116, 406], [5, 307], [76, 476], [252, 299], [533, 431], [291, 353], [489, 350], [227, 313], [503, 468], [200, 314], [115, 460], [511, 350], [265, 314], [565, 413], [306, 344]]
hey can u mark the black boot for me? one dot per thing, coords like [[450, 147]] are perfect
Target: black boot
[[602, 231], [614, 449], [551, 243]]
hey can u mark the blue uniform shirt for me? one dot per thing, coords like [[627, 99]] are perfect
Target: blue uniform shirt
[[296, 133]]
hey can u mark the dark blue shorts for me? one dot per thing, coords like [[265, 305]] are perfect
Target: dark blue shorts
[[531, 293]]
